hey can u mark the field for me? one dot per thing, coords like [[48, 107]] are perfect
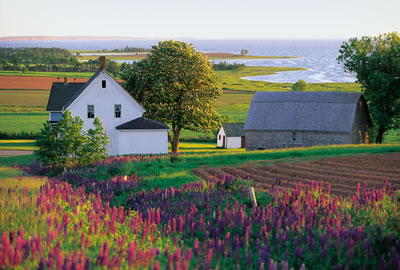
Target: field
[[341, 173], [138, 212]]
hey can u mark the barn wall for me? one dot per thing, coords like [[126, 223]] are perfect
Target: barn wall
[[285, 139], [361, 131]]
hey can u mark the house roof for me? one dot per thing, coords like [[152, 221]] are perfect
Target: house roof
[[307, 111], [142, 123], [233, 129], [60, 94], [65, 94]]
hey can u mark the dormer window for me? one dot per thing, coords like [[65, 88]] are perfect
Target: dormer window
[[90, 111], [117, 110], [103, 84]]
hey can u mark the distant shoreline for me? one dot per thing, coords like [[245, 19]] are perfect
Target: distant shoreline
[[46, 38]]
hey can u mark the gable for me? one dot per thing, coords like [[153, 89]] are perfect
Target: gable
[[113, 91], [306, 111]]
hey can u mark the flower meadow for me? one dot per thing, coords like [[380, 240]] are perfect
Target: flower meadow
[[75, 222]]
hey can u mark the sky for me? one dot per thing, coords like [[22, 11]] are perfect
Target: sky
[[206, 19]]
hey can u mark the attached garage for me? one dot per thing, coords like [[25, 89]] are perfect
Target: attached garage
[[143, 136]]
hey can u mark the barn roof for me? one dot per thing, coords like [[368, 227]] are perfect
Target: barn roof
[[142, 123], [233, 129], [307, 111]]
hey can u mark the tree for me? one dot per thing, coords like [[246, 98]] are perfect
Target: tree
[[300, 85], [177, 85], [66, 145], [96, 147], [375, 61]]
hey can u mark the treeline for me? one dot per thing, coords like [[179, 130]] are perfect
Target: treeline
[[127, 49], [225, 66], [49, 60]]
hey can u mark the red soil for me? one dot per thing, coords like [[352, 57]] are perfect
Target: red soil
[[342, 173], [22, 82]]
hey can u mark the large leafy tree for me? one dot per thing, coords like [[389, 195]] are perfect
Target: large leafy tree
[[376, 63], [177, 85]]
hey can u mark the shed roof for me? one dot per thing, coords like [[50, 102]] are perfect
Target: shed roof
[[233, 129], [142, 123], [307, 111]]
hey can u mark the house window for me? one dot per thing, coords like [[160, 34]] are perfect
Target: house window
[[103, 83], [90, 111], [117, 110], [219, 137]]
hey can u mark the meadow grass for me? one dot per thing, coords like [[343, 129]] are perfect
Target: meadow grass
[[22, 109], [17, 122], [17, 145], [24, 97]]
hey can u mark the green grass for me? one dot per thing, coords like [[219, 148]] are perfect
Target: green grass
[[17, 122], [201, 147], [18, 97], [46, 74], [22, 109], [17, 145]]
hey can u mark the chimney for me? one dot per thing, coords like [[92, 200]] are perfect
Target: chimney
[[65, 80], [102, 62]]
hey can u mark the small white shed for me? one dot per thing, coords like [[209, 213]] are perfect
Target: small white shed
[[231, 135]]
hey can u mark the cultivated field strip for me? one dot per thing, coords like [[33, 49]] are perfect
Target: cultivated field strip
[[342, 173]]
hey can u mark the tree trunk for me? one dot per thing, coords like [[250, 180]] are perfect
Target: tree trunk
[[175, 141], [379, 137]]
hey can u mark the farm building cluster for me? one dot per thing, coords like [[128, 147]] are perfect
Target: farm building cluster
[[300, 119]]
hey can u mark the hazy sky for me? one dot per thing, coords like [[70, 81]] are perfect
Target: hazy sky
[[326, 19]]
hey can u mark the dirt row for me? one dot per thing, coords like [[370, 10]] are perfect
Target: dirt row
[[342, 173]]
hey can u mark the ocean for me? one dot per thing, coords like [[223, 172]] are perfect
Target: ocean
[[318, 56]]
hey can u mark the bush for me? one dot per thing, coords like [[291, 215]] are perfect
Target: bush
[[300, 85]]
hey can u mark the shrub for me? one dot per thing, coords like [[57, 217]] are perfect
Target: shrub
[[300, 85]]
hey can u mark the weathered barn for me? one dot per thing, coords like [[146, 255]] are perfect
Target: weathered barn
[[300, 119], [231, 135]]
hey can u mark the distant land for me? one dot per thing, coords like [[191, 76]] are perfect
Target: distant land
[[39, 38]]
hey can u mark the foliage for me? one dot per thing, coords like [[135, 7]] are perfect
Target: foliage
[[376, 63], [47, 59], [225, 66], [95, 149], [176, 85], [67, 146], [300, 85]]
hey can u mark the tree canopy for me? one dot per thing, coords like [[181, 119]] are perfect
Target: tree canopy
[[177, 85], [300, 85], [375, 61]]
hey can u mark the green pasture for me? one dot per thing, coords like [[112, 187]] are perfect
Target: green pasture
[[28, 145], [17, 122]]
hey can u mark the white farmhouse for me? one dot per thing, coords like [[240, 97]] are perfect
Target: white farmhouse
[[231, 135], [122, 116]]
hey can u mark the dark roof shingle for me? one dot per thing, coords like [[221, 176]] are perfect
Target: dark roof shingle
[[60, 94], [233, 129], [308, 111], [143, 123]]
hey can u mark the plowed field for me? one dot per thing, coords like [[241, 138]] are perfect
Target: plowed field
[[26, 82], [342, 173]]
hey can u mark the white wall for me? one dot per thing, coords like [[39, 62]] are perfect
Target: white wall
[[143, 141], [234, 142], [104, 100], [221, 133]]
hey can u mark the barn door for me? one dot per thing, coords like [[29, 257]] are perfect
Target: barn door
[[243, 144], [224, 142]]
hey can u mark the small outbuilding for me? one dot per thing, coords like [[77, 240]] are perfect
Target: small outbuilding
[[231, 135], [301, 119]]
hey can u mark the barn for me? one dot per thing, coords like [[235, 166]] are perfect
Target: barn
[[301, 119], [231, 135]]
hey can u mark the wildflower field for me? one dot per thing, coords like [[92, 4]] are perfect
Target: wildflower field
[[100, 218]]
